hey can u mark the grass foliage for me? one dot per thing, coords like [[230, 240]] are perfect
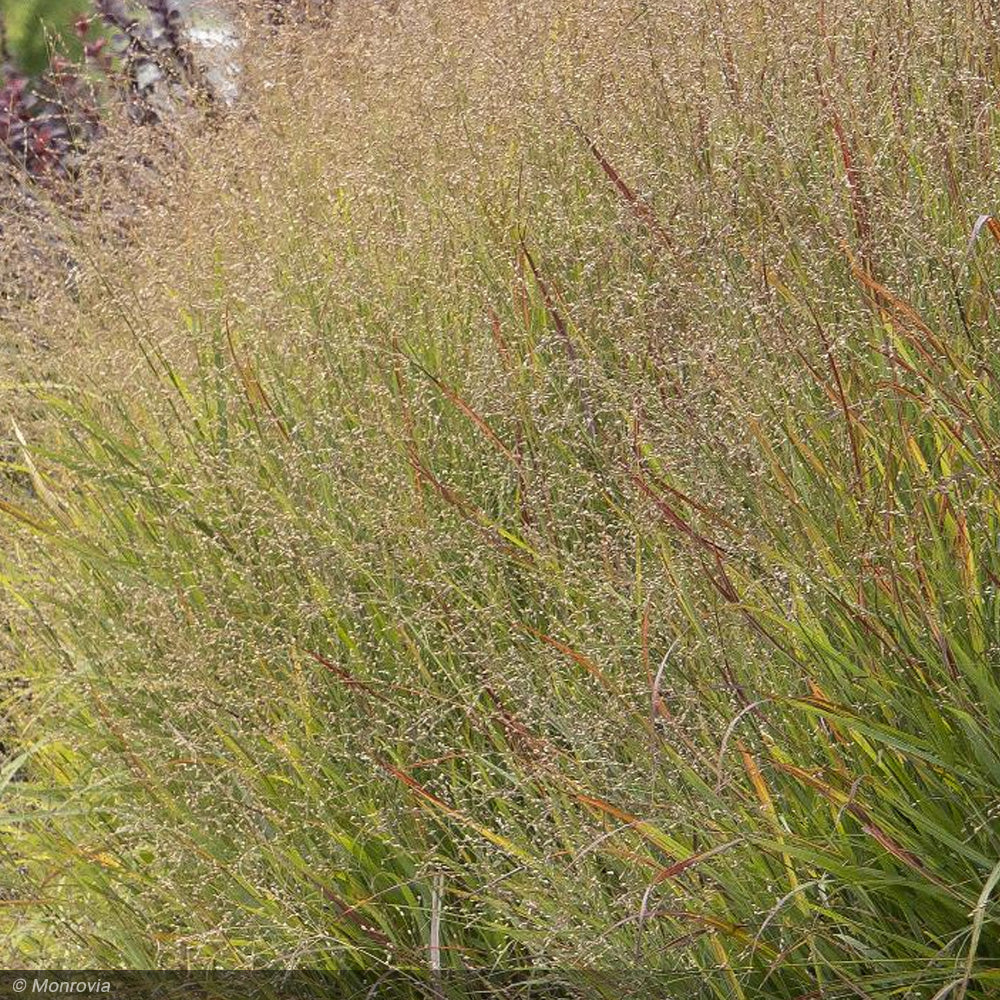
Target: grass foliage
[[34, 26], [528, 496]]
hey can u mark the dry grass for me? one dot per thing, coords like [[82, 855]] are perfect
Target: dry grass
[[531, 474]]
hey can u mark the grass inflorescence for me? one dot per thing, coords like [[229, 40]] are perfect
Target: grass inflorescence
[[527, 497]]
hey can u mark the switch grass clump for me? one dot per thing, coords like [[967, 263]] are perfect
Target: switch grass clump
[[527, 498]]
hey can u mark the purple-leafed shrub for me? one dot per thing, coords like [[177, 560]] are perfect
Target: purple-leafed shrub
[[47, 123]]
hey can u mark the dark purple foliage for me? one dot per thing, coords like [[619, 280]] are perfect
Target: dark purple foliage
[[45, 124]]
